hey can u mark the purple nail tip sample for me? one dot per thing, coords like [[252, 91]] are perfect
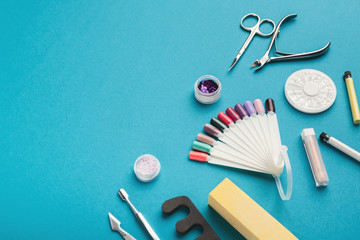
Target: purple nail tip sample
[[208, 86], [241, 110], [249, 107]]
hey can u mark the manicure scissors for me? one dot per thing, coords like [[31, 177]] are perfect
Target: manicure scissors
[[254, 30], [286, 56]]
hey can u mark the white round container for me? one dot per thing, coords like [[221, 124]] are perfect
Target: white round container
[[147, 167], [310, 91]]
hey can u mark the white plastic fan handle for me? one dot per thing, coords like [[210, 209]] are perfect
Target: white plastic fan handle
[[233, 143], [284, 157], [244, 135], [255, 119], [234, 151], [259, 134], [275, 135], [222, 162], [265, 128], [239, 141], [248, 129], [237, 160]]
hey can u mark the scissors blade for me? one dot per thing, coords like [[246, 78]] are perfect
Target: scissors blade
[[234, 62], [243, 47], [240, 53], [260, 63], [256, 63]]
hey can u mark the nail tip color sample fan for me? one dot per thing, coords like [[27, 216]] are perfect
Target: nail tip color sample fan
[[247, 138]]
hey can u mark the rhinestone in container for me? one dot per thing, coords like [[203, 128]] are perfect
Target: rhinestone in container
[[207, 89], [147, 168], [310, 91]]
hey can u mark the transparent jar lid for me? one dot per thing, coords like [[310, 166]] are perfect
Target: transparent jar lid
[[210, 97]]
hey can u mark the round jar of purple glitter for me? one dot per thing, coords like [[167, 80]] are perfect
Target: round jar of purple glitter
[[207, 89]]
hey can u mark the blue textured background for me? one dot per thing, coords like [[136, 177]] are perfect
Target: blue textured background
[[88, 86]]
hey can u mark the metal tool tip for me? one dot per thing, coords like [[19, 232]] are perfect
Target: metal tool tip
[[114, 223], [256, 63], [123, 195], [233, 64]]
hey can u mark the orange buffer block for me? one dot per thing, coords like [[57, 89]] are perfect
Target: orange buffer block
[[245, 215]]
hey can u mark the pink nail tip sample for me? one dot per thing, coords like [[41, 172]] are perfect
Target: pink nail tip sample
[[205, 139], [210, 129], [259, 106]]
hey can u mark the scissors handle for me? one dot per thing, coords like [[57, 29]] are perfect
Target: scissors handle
[[256, 28]]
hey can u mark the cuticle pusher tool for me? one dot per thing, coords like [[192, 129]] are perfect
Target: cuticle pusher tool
[[125, 197], [115, 226]]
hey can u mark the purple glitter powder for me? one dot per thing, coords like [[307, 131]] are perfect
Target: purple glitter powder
[[208, 86]]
